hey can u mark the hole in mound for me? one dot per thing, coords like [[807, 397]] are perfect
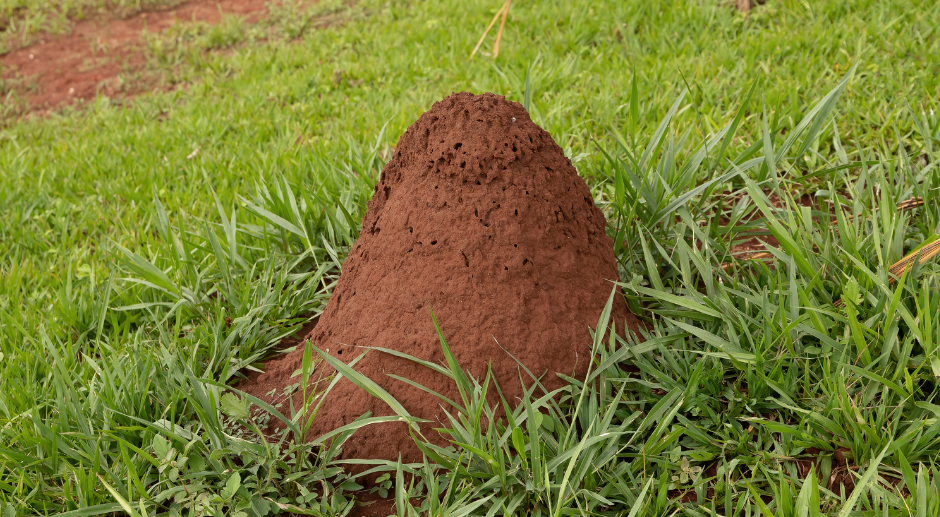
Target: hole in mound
[[458, 145], [463, 164]]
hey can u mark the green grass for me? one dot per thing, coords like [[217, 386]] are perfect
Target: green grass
[[148, 253]]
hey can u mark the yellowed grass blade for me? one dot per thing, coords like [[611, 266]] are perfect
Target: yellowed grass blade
[[500, 12], [925, 253], [502, 25]]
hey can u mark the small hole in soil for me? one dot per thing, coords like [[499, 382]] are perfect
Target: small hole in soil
[[411, 230], [524, 262], [435, 187], [433, 243], [517, 212], [463, 164], [514, 148], [506, 268], [340, 352], [458, 145], [478, 182], [527, 192]]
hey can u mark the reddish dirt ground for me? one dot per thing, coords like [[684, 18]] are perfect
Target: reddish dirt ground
[[62, 70]]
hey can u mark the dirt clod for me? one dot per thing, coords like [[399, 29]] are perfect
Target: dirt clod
[[480, 217]]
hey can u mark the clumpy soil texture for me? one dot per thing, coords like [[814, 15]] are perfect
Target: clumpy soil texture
[[481, 218]]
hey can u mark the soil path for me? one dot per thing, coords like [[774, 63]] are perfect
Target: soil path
[[64, 69]]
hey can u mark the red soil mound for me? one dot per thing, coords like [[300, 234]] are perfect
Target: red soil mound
[[480, 217]]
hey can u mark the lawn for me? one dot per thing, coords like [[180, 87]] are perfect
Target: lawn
[[152, 251]]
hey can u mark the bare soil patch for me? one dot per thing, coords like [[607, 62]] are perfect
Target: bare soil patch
[[66, 69]]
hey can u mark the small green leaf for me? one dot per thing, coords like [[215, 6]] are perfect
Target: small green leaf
[[231, 486], [260, 505], [161, 446], [852, 293], [235, 406]]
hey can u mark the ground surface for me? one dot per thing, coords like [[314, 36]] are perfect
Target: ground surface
[[61, 69], [152, 253]]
